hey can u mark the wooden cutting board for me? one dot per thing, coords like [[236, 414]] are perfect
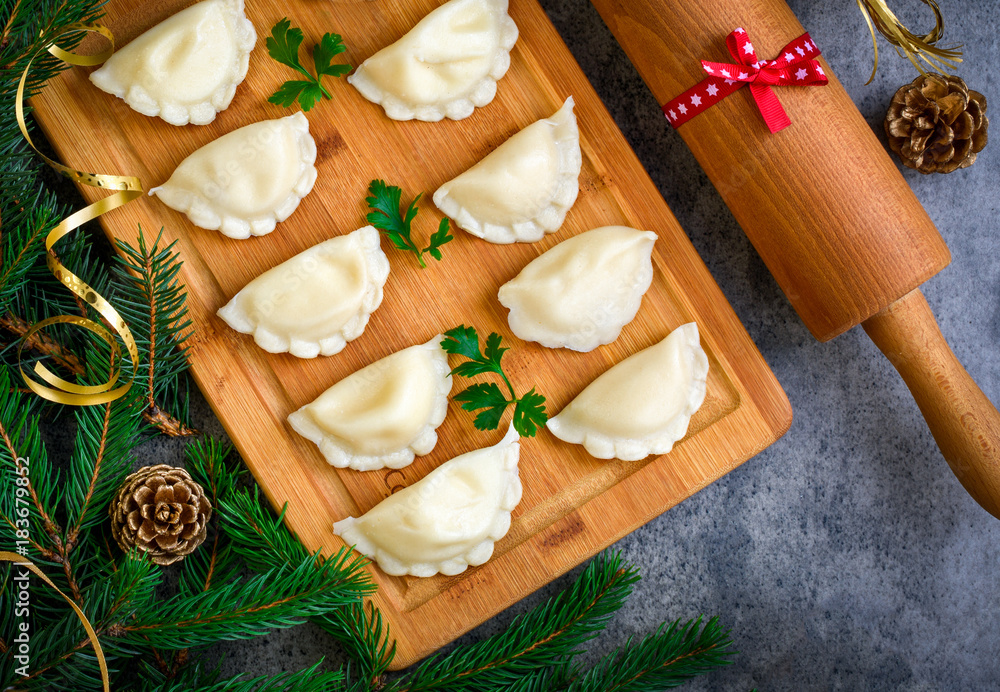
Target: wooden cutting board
[[573, 505]]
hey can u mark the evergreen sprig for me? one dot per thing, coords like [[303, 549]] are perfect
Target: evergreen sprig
[[151, 300], [665, 659], [545, 637], [279, 598]]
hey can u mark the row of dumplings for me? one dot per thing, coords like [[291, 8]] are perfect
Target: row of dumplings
[[186, 68], [578, 295]]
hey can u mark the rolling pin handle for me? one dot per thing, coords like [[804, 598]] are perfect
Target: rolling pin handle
[[964, 422]]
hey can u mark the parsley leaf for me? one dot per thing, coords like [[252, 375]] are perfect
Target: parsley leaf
[[487, 397], [384, 202], [461, 341], [529, 414], [440, 237], [283, 45]]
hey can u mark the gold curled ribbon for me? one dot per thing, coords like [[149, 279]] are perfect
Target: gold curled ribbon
[[20, 561], [62, 391], [880, 17]]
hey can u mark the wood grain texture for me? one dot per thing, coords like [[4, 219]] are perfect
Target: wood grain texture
[[821, 201], [964, 422], [573, 505]]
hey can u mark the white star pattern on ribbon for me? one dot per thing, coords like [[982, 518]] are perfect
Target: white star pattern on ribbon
[[723, 79]]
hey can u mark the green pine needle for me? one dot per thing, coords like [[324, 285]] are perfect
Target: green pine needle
[[279, 598], [663, 660], [486, 397], [386, 215], [549, 635]]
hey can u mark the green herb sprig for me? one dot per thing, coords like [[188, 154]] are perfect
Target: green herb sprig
[[386, 215], [486, 397], [283, 45]]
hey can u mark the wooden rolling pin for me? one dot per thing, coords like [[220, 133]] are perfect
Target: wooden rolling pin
[[825, 207]]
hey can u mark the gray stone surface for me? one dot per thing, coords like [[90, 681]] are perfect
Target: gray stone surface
[[846, 556]]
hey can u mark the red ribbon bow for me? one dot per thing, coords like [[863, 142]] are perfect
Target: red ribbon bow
[[794, 67]]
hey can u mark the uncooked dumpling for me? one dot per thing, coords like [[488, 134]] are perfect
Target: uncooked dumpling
[[317, 301], [580, 293], [187, 67], [243, 183], [446, 521], [446, 65], [384, 414], [523, 188], [642, 405]]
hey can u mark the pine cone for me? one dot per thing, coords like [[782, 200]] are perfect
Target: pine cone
[[160, 510], [936, 124]]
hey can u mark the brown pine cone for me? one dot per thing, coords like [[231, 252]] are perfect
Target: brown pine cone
[[936, 124], [160, 510]]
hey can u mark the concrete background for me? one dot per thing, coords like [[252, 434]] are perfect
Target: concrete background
[[846, 556]]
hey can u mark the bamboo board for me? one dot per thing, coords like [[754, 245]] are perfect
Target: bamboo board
[[573, 505]]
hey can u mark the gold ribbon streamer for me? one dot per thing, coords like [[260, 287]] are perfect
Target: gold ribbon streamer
[[879, 16], [91, 634], [62, 391]]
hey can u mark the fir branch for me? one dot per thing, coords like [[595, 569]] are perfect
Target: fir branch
[[102, 455], [61, 646], [41, 343], [21, 439], [306, 680], [279, 598], [363, 635], [262, 541], [547, 636], [665, 659], [153, 302], [218, 564]]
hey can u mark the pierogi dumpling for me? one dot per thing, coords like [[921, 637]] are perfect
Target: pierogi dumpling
[[383, 414], [315, 302], [523, 188], [446, 521], [580, 293], [446, 65], [186, 68], [243, 183], [642, 405]]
